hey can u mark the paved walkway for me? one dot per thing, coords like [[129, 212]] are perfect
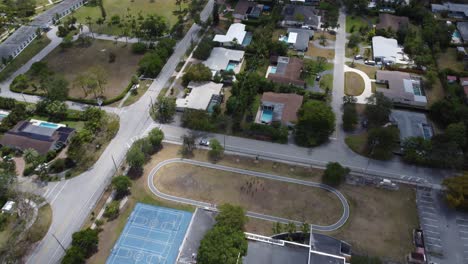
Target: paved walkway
[[361, 99], [332, 227]]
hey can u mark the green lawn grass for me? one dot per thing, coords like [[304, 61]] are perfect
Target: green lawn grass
[[354, 84], [326, 82], [30, 51], [144, 85], [448, 59], [354, 21], [162, 8], [358, 143]]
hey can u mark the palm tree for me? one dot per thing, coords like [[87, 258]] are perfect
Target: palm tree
[[291, 228], [31, 156], [305, 228]]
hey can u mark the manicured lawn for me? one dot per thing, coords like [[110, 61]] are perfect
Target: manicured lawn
[[369, 70], [296, 202], [356, 22], [448, 59], [144, 85], [358, 143], [318, 52], [326, 34], [78, 60], [381, 221], [278, 32], [354, 84], [30, 51], [326, 82], [122, 8]]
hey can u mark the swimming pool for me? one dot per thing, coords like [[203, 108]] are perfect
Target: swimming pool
[[267, 116], [273, 69], [247, 39], [49, 125], [3, 115], [231, 66], [284, 39], [456, 34]]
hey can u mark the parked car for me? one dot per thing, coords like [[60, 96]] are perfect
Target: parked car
[[369, 62], [318, 77], [204, 141], [358, 57]]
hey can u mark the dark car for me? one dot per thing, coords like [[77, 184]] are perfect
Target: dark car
[[317, 78]]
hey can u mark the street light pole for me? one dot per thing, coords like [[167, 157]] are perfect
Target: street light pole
[[115, 164], [59, 243]]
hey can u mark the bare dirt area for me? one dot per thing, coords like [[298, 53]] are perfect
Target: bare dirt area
[[381, 221], [292, 201], [78, 60]]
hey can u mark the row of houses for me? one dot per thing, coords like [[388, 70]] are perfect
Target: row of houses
[[24, 35]]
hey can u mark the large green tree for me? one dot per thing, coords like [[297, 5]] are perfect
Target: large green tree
[[164, 109], [378, 109], [381, 142], [456, 192], [334, 174], [121, 184], [316, 121], [197, 73], [226, 242]]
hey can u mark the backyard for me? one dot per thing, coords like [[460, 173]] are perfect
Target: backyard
[[78, 60], [314, 51], [354, 84], [448, 59], [123, 8]]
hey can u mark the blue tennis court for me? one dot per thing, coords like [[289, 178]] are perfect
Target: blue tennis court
[[152, 235]]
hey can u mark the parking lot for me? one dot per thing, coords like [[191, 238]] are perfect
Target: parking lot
[[445, 230], [429, 220]]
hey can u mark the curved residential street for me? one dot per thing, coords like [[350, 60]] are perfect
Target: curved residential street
[[72, 200], [344, 217]]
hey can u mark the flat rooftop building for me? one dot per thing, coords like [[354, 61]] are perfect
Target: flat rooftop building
[[452, 9], [201, 96], [387, 50], [222, 59], [235, 34]]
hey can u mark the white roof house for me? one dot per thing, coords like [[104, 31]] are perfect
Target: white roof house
[[235, 32], [388, 50], [8, 207], [199, 96], [222, 59]]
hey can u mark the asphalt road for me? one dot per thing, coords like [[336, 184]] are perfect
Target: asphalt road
[[344, 217], [72, 200]]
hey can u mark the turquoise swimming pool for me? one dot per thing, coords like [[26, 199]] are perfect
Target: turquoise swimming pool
[[456, 34], [267, 116], [231, 66], [284, 39], [49, 125], [273, 69]]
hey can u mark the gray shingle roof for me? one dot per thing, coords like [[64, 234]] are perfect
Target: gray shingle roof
[[303, 37], [18, 40], [463, 29]]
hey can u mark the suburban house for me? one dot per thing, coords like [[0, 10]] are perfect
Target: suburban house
[[453, 10], [39, 135], [298, 38], [236, 34], [24, 35], [202, 96], [462, 27], [279, 107], [411, 124], [320, 249], [17, 42], [246, 9], [222, 59], [286, 71], [387, 50], [300, 16], [402, 88], [387, 21]]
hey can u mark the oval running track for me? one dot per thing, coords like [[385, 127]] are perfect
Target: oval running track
[[332, 227]]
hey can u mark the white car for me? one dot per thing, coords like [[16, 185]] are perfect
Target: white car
[[204, 141]]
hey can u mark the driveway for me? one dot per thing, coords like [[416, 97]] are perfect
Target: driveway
[[344, 217], [361, 99]]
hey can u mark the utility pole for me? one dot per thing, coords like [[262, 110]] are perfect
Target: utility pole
[[59, 243]]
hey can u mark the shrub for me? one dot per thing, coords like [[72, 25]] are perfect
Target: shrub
[[28, 171], [112, 210], [334, 174], [7, 103], [58, 166], [3, 221], [51, 154]]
